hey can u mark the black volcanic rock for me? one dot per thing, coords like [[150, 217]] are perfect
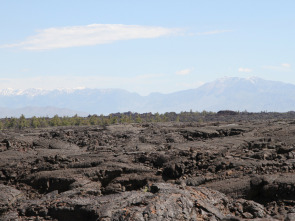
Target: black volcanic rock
[[150, 171]]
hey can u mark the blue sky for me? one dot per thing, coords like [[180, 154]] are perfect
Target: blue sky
[[144, 46]]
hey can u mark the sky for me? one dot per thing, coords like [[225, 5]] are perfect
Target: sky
[[144, 46]]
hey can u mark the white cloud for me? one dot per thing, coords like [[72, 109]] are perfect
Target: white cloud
[[184, 71], [246, 70], [95, 34], [282, 67]]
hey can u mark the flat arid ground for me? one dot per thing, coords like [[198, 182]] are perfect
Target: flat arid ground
[[151, 171]]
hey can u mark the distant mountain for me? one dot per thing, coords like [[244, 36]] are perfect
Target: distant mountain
[[91, 101], [251, 94]]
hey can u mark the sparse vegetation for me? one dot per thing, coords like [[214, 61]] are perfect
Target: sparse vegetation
[[129, 117]]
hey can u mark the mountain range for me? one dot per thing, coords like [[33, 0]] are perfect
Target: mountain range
[[231, 93]]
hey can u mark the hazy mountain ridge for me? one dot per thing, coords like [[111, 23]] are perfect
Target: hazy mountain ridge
[[252, 94]]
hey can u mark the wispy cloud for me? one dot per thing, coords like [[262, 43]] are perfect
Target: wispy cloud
[[95, 34], [246, 70], [184, 71], [282, 67]]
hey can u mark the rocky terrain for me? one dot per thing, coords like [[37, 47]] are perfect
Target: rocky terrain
[[154, 171]]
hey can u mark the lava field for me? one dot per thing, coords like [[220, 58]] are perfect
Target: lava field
[[151, 171]]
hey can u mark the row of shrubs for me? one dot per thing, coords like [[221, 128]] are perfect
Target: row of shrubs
[[130, 117], [101, 120]]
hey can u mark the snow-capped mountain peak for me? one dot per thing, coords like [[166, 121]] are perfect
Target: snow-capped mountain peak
[[252, 94]]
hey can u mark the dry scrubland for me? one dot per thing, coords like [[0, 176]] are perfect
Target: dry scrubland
[[229, 168]]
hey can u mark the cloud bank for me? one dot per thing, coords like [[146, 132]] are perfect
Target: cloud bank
[[94, 34]]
